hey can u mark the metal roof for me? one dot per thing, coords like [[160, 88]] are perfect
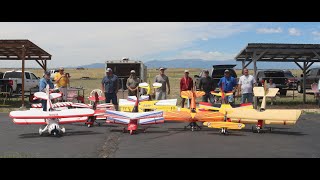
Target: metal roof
[[280, 52], [11, 50]]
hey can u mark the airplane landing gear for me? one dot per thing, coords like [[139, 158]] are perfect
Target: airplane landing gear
[[193, 126], [224, 131]]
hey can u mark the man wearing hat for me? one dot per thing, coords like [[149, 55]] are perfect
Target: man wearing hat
[[186, 84], [42, 87], [161, 93], [206, 85], [132, 84], [110, 87], [228, 84], [62, 81]]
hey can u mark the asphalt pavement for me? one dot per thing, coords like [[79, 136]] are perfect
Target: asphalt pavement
[[168, 140]]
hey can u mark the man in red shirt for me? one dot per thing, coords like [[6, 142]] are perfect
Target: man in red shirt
[[186, 84]]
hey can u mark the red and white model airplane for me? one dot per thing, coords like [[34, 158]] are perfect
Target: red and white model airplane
[[133, 119], [51, 118]]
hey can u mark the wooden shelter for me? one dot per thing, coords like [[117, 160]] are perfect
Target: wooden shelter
[[23, 50]]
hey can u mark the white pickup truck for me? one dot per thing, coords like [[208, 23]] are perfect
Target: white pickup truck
[[12, 80]]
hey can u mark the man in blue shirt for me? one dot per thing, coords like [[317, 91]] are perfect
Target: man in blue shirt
[[228, 84], [42, 87], [110, 87]]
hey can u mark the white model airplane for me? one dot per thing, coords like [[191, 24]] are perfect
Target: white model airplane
[[51, 118], [134, 119]]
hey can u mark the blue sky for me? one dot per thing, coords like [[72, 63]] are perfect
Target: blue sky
[[76, 43]]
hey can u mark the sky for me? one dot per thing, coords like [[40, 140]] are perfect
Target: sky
[[81, 43]]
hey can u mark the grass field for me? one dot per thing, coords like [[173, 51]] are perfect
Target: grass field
[[174, 75]]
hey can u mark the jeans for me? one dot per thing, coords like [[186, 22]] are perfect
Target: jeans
[[248, 97], [161, 95], [44, 104], [208, 96]]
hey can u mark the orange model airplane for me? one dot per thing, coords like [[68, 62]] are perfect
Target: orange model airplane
[[193, 115]]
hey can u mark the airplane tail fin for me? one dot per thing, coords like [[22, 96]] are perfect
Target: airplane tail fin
[[146, 86]]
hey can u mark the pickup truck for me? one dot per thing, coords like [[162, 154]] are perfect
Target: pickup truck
[[217, 72], [312, 76], [12, 81], [278, 77]]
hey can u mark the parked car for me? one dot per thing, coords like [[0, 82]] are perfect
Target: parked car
[[12, 81], [217, 72], [278, 78], [312, 76], [292, 80]]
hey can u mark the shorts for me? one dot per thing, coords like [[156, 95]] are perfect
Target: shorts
[[111, 97]]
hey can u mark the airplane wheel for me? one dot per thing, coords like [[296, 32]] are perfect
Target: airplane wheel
[[89, 125], [192, 129], [270, 129], [99, 124], [131, 132], [40, 131], [253, 129]]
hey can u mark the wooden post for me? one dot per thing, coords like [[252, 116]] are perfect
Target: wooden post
[[304, 82], [255, 99], [22, 88]]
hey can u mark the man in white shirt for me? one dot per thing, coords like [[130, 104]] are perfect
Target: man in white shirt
[[246, 84]]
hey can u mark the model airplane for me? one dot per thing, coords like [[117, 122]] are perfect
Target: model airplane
[[99, 109], [51, 118], [264, 116], [192, 115], [133, 119], [160, 105]]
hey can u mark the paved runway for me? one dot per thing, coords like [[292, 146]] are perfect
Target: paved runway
[[163, 140]]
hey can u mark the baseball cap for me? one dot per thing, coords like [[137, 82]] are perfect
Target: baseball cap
[[186, 71], [162, 68], [132, 71], [61, 68], [226, 71], [109, 70], [47, 73]]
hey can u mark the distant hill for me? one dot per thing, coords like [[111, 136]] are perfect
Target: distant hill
[[203, 64]]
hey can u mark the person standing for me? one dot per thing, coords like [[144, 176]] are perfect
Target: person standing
[[42, 87], [206, 85], [161, 93], [186, 84], [271, 84], [110, 87], [62, 82], [132, 84], [246, 84], [228, 84]]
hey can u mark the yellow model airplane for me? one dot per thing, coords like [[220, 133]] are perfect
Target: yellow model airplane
[[160, 105], [264, 116], [193, 115]]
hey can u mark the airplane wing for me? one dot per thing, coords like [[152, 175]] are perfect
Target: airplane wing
[[42, 95], [124, 102], [68, 113], [209, 116], [220, 94], [258, 91], [43, 121], [105, 105], [208, 106], [272, 92], [267, 115], [167, 102], [56, 105], [186, 94], [177, 116], [148, 121]]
